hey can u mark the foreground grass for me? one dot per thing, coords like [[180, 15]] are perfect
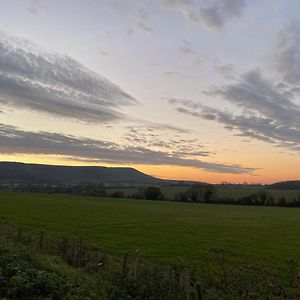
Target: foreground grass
[[163, 231]]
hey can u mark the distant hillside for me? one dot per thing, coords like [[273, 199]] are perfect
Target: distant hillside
[[11, 172], [286, 185]]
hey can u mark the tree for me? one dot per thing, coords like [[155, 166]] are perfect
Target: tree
[[263, 197], [153, 193], [181, 197], [194, 194], [281, 201], [210, 193], [201, 193]]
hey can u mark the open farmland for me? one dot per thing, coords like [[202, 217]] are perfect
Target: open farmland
[[163, 231]]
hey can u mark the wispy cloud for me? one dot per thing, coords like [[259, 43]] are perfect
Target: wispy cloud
[[34, 6], [141, 18], [55, 84], [187, 50], [220, 12], [155, 139], [14, 140], [287, 55], [212, 14]]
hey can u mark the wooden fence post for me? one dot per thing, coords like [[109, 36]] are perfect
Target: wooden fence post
[[172, 285], [41, 240], [80, 251], [136, 263], [199, 290], [187, 283], [74, 253], [64, 247], [10, 231], [20, 236], [125, 261]]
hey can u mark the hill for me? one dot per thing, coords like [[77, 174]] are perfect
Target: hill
[[13, 172], [285, 185]]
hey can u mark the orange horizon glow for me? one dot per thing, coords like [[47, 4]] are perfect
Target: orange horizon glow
[[161, 171]]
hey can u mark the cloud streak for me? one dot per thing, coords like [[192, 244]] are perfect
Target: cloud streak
[[214, 15], [16, 141], [287, 56], [55, 84]]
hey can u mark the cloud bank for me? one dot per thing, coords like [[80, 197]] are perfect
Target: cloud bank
[[267, 114], [55, 84], [16, 141]]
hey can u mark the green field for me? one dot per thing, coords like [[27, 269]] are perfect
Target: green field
[[163, 231]]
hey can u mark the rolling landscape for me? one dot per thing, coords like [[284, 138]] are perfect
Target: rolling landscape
[[149, 150], [118, 220]]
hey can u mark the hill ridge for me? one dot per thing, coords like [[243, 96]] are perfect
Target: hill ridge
[[18, 172]]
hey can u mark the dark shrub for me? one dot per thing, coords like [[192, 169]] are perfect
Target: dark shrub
[[117, 194]]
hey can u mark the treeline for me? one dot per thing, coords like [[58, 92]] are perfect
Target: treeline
[[198, 193], [84, 188], [261, 198], [209, 194]]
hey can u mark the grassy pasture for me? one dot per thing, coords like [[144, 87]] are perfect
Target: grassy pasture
[[163, 231]]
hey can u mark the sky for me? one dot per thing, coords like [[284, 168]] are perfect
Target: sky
[[205, 90]]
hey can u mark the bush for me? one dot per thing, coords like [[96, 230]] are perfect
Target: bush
[[117, 194], [22, 277]]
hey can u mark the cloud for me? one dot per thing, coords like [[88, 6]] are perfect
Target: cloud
[[144, 27], [265, 109], [141, 17], [103, 52], [220, 12], [287, 54], [34, 7], [55, 84], [16, 141], [226, 70], [175, 145], [266, 114], [187, 50], [175, 74], [213, 15], [164, 127]]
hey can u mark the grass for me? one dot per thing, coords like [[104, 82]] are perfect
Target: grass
[[163, 231]]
